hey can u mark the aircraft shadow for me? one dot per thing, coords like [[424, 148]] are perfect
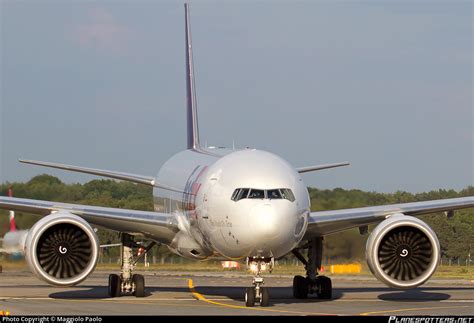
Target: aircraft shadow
[[284, 295], [278, 295], [100, 292]]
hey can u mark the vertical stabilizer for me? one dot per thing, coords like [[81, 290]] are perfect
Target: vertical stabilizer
[[191, 109], [12, 213]]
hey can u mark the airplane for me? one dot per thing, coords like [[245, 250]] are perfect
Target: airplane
[[245, 204], [13, 239]]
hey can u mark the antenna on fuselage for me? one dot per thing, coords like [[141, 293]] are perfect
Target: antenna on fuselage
[[191, 108]]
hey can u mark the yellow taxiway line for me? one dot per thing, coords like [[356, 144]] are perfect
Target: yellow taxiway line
[[200, 297]]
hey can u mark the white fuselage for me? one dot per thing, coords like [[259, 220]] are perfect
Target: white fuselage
[[213, 222]]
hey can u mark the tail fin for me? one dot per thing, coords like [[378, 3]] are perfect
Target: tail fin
[[12, 213], [191, 109]]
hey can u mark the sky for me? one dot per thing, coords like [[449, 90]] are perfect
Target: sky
[[385, 85]]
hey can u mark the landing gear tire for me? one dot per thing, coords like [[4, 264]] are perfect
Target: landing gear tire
[[300, 287], [139, 283], [249, 297], [324, 290], [264, 297], [114, 285]]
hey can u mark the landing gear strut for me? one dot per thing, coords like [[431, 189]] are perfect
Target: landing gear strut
[[128, 283], [312, 283], [258, 293]]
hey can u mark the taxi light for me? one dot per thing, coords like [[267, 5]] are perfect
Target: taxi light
[[253, 267]]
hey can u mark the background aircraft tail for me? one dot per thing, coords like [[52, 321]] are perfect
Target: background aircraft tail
[[12, 213], [13, 243]]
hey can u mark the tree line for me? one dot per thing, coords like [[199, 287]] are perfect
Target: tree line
[[456, 234]]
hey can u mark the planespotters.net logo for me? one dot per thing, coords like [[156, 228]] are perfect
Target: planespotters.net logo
[[446, 319]]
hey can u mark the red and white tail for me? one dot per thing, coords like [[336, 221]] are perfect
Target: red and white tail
[[12, 213]]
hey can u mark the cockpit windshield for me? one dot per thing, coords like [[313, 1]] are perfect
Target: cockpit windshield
[[252, 193], [256, 194], [273, 194]]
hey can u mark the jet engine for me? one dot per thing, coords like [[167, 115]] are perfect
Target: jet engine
[[62, 249], [402, 251]]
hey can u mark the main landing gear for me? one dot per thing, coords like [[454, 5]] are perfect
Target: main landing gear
[[128, 283], [312, 283], [258, 293]]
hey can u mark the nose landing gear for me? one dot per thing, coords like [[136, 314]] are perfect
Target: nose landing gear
[[258, 293], [312, 283]]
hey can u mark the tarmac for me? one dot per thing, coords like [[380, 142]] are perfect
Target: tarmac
[[197, 293]]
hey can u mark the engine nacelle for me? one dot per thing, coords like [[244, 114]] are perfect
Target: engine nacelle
[[402, 251], [62, 249]]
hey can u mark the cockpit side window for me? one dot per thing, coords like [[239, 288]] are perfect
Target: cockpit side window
[[286, 193], [239, 193], [235, 194], [244, 192]]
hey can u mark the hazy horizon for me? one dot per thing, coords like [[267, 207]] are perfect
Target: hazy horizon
[[309, 186]]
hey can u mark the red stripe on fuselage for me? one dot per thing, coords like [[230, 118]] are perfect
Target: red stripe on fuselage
[[195, 187]]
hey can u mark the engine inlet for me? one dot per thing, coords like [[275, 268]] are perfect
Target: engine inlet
[[405, 253], [64, 251]]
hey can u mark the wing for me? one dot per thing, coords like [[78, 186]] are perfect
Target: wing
[[154, 225], [326, 222], [320, 167], [10, 251], [140, 179]]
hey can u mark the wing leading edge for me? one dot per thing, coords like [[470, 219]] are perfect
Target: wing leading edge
[[154, 225], [320, 167], [140, 179], [326, 222]]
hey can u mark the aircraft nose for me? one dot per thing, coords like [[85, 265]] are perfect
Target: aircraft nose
[[262, 218], [267, 222]]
